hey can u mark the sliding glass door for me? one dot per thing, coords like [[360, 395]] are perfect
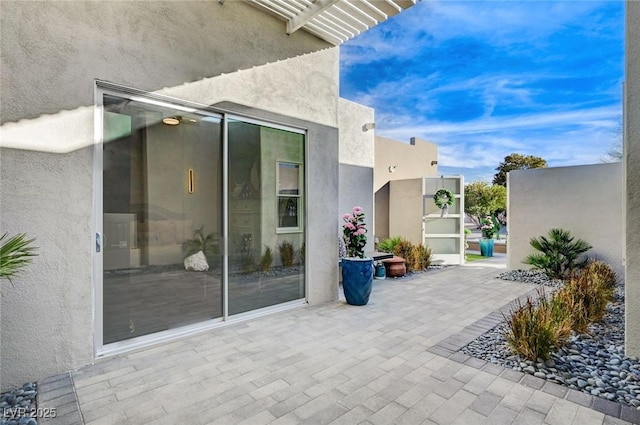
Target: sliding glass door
[[162, 218], [266, 232], [202, 217]]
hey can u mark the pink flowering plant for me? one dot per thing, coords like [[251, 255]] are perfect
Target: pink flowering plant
[[488, 228], [354, 233]]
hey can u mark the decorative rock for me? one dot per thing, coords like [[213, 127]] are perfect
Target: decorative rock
[[196, 262], [593, 363]]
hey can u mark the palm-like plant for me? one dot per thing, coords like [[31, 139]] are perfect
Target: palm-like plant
[[560, 254], [208, 244], [15, 253]]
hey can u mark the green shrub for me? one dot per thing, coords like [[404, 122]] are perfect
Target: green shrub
[[534, 330], [301, 253], [561, 255], [389, 244], [266, 260], [287, 253]]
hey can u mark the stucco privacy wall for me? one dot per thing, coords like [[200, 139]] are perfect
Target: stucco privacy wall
[[632, 178], [50, 196], [144, 44], [411, 160], [408, 161], [405, 209], [356, 164], [586, 200]]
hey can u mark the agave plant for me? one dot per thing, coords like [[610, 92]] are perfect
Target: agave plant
[[15, 254], [561, 255]]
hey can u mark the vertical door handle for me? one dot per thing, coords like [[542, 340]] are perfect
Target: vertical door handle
[[98, 242]]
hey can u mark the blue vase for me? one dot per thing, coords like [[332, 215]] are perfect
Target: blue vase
[[486, 247], [357, 280]]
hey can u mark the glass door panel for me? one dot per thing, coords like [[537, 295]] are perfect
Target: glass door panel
[[162, 204], [266, 232]]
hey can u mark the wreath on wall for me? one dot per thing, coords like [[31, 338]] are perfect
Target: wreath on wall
[[443, 193], [438, 198]]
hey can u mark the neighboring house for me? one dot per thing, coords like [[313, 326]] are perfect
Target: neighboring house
[[130, 128], [399, 168]]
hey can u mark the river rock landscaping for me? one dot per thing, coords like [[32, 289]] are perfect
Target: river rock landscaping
[[16, 406], [594, 362]]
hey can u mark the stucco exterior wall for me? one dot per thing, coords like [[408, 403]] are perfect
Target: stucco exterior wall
[[144, 44], [48, 191], [356, 154], [586, 200], [405, 209], [632, 179], [408, 161], [356, 144], [411, 160]]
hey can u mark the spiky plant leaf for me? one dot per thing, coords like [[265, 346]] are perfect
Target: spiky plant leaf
[[15, 254]]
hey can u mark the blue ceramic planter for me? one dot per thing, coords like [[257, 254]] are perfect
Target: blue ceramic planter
[[486, 247], [357, 280]]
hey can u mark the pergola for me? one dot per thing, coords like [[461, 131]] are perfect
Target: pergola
[[335, 21]]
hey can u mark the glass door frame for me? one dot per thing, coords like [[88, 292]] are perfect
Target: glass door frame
[[101, 88]]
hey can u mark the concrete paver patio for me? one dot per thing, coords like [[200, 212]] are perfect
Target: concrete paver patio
[[335, 364]]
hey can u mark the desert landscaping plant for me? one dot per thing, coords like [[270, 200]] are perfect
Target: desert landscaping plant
[[16, 253], [561, 255], [388, 244], [287, 253], [533, 330], [404, 249], [208, 244], [421, 257], [586, 297], [266, 260]]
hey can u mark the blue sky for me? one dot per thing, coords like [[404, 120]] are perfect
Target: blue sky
[[483, 79]]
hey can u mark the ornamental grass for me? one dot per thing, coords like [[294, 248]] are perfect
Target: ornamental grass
[[534, 330], [404, 249], [420, 257], [586, 296]]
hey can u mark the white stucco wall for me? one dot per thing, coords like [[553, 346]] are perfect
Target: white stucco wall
[[632, 178], [586, 200], [356, 145]]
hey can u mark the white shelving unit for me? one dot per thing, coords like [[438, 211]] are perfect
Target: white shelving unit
[[443, 234]]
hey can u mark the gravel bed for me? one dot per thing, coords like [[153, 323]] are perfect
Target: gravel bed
[[18, 405], [535, 277], [593, 363]]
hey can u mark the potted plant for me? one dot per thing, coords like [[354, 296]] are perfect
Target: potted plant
[[357, 270], [488, 229]]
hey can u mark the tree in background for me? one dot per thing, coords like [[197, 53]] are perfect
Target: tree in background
[[516, 161], [482, 199]]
